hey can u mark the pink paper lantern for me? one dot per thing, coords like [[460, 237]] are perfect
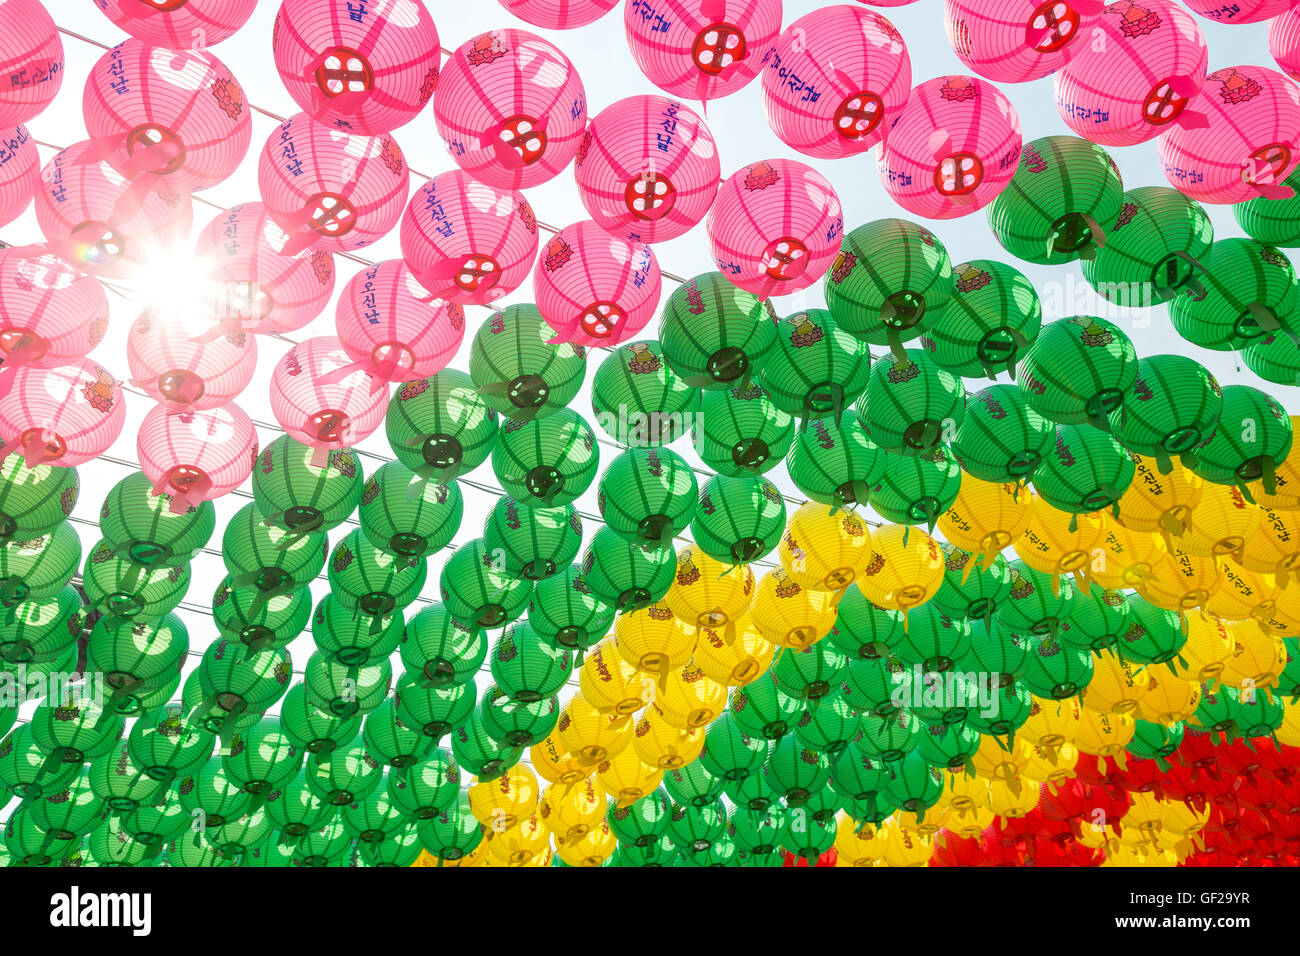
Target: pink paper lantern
[[392, 328], [1135, 76], [887, 3], [1238, 11], [835, 80], [953, 149], [257, 288], [593, 288], [179, 24], [701, 49], [183, 369], [511, 108], [559, 14], [329, 189], [1014, 41], [775, 227], [196, 456], [67, 415], [1249, 145], [319, 409], [20, 173], [466, 241], [32, 61], [1284, 42], [50, 313], [89, 214], [648, 169], [179, 117], [368, 69]]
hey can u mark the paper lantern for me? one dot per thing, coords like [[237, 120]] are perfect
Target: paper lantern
[[1246, 149], [466, 241], [87, 214], [1078, 370], [1250, 11], [190, 25], [702, 51], [905, 572], [559, 14], [1249, 291], [510, 108], [911, 405], [639, 399], [1153, 62], [861, 64], [1085, 471], [952, 149], [178, 117], [985, 517], [1020, 41], [368, 72], [173, 364], [329, 189], [34, 500], [593, 288], [67, 415], [389, 328], [1284, 42], [407, 516], [521, 373], [714, 335], [34, 58], [647, 169], [1056, 542], [1001, 437], [1254, 434], [20, 173], [196, 455], [738, 519], [255, 286], [993, 315], [441, 427], [835, 463], [318, 408]]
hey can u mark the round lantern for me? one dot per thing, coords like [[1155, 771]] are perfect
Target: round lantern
[[368, 72], [835, 462], [1253, 437], [20, 173], [1271, 220], [911, 406], [1134, 75], [1172, 408], [1247, 146], [519, 370], [906, 570], [440, 427], [33, 59], [255, 286], [1078, 370], [860, 66], [184, 371], [993, 315], [1248, 11], [775, 227], [190, 25], [647, 169], [320, 400], [466, 241], [738, 519], [33, 500], [329, 189], [1021, 40], [1001, 437], [593, 288], [714, 335], [196, 455], [952, 149], [510, 108], [638, 399], [179, 118], [1248, 291], [702, 51], [66, 415]]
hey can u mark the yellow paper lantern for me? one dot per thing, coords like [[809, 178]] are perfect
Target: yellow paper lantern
[[1243, 594], [1286, 496], [1116, 685], [1013, 797], [1051, 723], [1208, 647], [690, 699], [789, 615], [1058, 543], [592, 850], [502, 802], [824, 549], [969, 824], [627, 778], [611, 684], [1145, 814], [906, 570], [1052, 766], [1257, 660], [902, 847], [1288, 734], [1182, 820], [660, 744], [590, 736], [1274, 548], [1169, 699], [1161, 503], [986, 516], [517, 845], [856, 846], [1222, 522], [654, 640], [1104, 735], [735, 662], [1180, 581], [555, 764], [994, 760], [708, 593], [1124, 557], [962, 792], [570, 811]]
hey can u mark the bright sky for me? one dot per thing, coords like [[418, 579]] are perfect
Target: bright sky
[[601, 56]]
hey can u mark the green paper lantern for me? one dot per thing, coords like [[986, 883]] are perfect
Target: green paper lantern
[[993, 316], [81, 727], [1250, 291], [971, 590], [453, 833], [409, 516], [428, 788], [311, 729], [29, 845], [267, 559], [827, 727], [647, 495], [810, 673], [696, 829], [1253, 437], [33, 500], [1219, 710], [36, 568], [1001, 438], [875, 685], [478, 754], [42, 630], [1154, 635], [996, 650], [817, 369], [933, 640], [349, 775], [565, 613], [911, 405], [433, 710], [295, 809], [1038, 605], [856, 776], [757, 831], [861, 629], [693, 785], [237, 836], [1064, 192], [639, 400], [762, 710], [731, 753], [330, 846], [231, 684], [945, 746], [533, 542], [1273, 357], [399, 849], [26, 770], [1274, 221], [150, 827], [350, 637], [915, 786], [477, 589], [374, 582], [517, 723], [549, 461], [752, 793], [1078, 370], [242, 617], [517, 370], [740, 431], [891, 281], [211, 797], [624, 574], [1172, 408], [1085, 471], [166, 744], [373, 819], [345, 690], [440, 427], [143, 527], [917, 490], [1152, 741], [296, 495], [120, 588], [71, 813], [796, 771], [738, 519], [262, 758], [1097, 619], [642, 823], [1011, 707], [136, 657], [525, 667], [835, 463], [1056, 670], [439, 650], [714, 335]]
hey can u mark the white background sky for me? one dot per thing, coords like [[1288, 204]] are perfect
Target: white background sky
[[600, 53]]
